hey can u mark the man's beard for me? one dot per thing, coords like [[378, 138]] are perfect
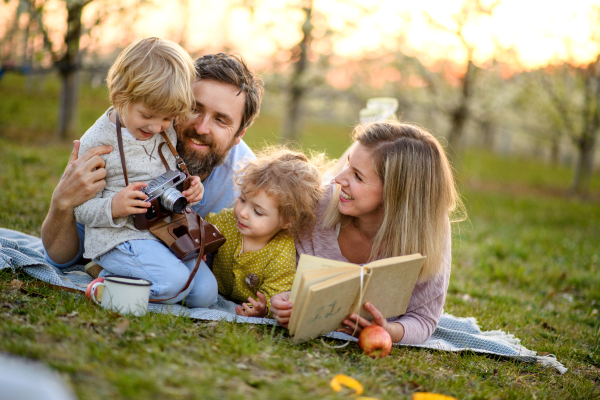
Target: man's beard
[[201, 164]]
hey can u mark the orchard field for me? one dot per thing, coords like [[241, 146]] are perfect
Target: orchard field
[[527, 261]]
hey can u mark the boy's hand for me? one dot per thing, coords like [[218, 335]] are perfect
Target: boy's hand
[[258, 310], [196, 190], [130, 201]]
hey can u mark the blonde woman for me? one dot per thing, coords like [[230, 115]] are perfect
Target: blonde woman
[[394, 197]]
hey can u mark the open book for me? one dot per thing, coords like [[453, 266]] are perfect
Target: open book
[[325, 292]]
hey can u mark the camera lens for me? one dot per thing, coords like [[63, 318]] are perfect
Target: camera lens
[[173, 200]]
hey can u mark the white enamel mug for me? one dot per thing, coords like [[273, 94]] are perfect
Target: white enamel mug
[[123, 294]]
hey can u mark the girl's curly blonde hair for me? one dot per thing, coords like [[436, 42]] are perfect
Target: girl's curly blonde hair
[[290, 177]]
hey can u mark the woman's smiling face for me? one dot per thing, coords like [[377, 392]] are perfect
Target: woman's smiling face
[[362, 190]]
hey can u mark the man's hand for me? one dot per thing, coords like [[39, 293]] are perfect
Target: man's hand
[[354, 324], [281, 308], [130, 201], [82, 180], [196, 190], [258, 310]]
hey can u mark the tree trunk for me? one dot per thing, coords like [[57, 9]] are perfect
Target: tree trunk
[[487, 134], [68, 67], [68, 104], [583, 167], [587, 141], [460, 115], [291, 128], [555, 151]]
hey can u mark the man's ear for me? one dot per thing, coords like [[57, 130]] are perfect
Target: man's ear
[[238, 139]]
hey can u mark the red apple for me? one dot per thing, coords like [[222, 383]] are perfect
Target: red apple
[[88, 291], [375, 341]]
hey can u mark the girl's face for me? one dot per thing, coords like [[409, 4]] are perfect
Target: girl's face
[[143, 122], [361, 189], [257, 215]]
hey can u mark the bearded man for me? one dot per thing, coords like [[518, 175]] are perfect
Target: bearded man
[[227, 100]]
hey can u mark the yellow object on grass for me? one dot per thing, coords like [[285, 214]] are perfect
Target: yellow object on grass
[[340, 380], [431, 396]]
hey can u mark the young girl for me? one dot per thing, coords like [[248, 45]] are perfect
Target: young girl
[[279, 192], [150, 84]]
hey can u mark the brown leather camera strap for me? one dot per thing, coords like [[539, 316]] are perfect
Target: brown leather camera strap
[[164, 161], [196, 230], [180, 164], [121, 152]]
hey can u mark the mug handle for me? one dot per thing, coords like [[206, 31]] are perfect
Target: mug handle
[[93, 292]]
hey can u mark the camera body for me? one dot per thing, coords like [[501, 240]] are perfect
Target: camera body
[[164, 195]]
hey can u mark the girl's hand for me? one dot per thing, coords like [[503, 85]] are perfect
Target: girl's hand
[[129, 201], [196, 190], [281, 308], [354, 321], [259, 308]]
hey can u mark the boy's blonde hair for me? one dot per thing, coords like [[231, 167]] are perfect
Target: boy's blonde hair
[[419, 193], [158, 73], [292, 179]]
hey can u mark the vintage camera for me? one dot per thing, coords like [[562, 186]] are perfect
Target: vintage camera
[[164, 195]]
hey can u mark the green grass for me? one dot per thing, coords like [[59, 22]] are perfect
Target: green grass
[[527, 261], [517, 174]]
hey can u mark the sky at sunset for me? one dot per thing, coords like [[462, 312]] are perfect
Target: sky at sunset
[[537, 32]]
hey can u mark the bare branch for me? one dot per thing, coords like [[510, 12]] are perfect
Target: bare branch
[[559, 104], [36, 14]]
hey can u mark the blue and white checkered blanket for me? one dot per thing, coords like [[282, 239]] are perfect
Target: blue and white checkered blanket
[[21, 251]]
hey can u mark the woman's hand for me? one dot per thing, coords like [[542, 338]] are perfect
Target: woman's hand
[[354, 321], [129, 201], [196, 190], [258, 310], [281, 308]]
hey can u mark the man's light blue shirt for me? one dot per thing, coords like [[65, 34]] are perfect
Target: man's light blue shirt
[[219, 192]]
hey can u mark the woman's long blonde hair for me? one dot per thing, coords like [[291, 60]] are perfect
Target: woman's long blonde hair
[[419, 193]]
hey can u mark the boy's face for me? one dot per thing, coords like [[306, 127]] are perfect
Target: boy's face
[[257, 216], [143, 122]]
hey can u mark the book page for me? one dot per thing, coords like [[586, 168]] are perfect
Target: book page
[[391, 284], [308, 262], [308, 279], [326, 305]]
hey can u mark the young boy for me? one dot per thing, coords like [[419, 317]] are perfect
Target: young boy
[[150, 84]]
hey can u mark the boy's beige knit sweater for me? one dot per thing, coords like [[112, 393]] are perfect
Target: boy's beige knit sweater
[[102, 232]]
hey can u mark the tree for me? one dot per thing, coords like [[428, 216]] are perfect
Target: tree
[[291, 127], [574, 93], [535, 114], [460, 111], [66, 60], [66, 55]]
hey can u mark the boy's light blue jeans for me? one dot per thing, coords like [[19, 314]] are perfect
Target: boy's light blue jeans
[[152, 260]]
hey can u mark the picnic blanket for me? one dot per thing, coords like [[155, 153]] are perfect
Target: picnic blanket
[[25, 252]]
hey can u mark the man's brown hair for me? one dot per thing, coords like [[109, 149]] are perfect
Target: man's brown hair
[[232, 69]]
